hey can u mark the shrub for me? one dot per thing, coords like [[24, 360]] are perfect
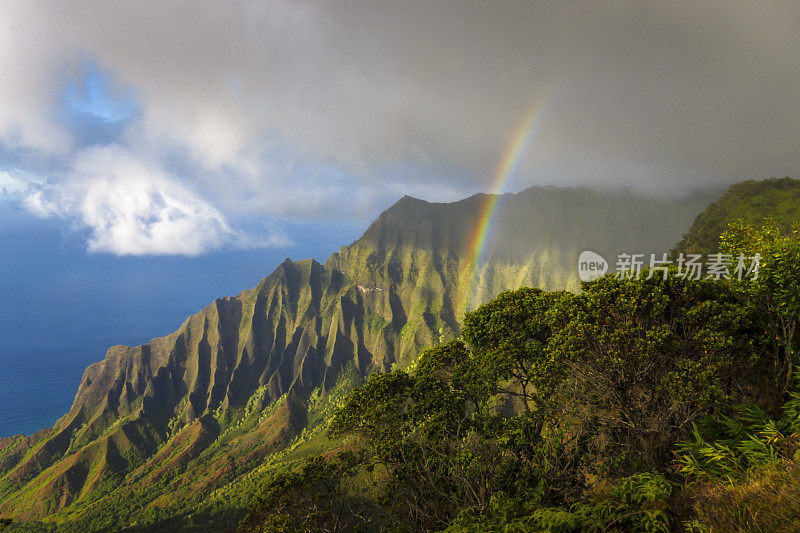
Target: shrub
[[635, 503]]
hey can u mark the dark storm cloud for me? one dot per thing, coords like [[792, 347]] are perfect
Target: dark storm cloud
[[304, 109]]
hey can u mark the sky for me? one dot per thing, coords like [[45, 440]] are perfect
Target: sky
[[155, 128]]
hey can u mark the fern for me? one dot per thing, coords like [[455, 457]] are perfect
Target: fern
[[635, 504], [734, 447]]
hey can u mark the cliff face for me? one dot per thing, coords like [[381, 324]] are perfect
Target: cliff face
[[248, 375], [295, 332], [535, 239]]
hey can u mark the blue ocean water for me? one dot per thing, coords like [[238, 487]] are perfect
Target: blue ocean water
[[61, 308]]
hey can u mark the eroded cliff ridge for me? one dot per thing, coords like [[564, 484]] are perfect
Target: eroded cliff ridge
[[197, 416]]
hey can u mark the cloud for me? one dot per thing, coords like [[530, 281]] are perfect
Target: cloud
[[306, 110], [134, 209], [15, 183]]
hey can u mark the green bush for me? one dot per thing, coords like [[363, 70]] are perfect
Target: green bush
[[635, 503]]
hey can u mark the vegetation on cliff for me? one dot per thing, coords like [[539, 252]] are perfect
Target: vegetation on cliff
[[574, 400], [658, 404], [750, 202], [190, 425]]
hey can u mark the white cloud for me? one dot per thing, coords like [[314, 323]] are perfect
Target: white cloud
[[14, 183], [132, 208]]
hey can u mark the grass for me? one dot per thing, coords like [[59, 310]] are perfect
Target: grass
[[768, 501]]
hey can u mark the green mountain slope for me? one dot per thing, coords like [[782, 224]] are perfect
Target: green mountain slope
[[191, 422], [751, 201]]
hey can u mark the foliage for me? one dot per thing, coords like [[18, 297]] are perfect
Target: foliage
[[635, 503], [731, 448], [646, 357], [750, 201], [511, 425], [544, 386], [313, 499], [509, 339], [449, 434], [774, 295]]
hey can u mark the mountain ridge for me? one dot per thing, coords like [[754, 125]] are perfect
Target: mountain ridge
[[244, 376]]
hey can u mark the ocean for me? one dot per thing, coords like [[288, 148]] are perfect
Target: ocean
[[61, 308]]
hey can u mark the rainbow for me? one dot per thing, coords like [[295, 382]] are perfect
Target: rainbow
[[509, 163]]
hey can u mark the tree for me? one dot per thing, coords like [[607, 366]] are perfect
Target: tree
[[474, 419], [510, 345], [648, 356], [313, 499], [774, 294]]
